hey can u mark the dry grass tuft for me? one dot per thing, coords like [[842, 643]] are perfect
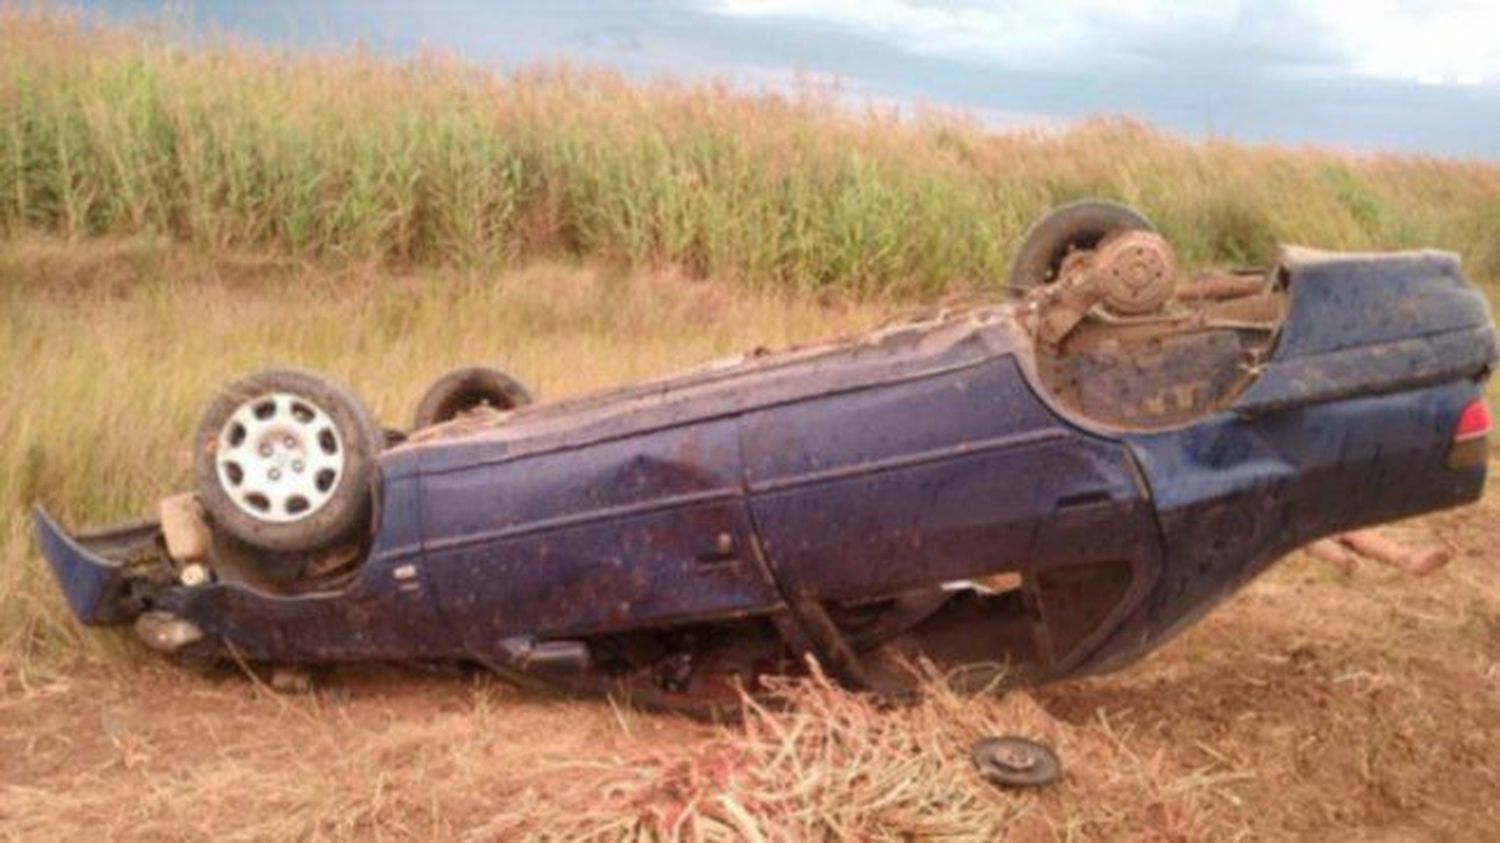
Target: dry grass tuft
[[820, 763]]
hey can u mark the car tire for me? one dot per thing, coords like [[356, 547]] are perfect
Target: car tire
[[1076, 225], [467, 388], [285, 461]]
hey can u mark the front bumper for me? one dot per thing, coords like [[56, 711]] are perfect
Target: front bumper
[[98, 571]]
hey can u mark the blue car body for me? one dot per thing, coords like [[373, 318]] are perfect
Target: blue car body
[[775, 496]]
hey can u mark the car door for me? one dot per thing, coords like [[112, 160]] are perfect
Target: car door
[[943, 478], [638, 530]]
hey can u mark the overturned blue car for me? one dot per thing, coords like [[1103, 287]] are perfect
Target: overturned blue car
[[1040, 488]]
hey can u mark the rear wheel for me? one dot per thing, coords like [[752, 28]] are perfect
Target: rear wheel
[[466, 389], [284, 461], [1076, 225]]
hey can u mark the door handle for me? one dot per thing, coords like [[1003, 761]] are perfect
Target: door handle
[[1083, 500]]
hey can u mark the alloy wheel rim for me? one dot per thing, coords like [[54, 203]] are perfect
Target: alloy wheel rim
[[280, 458]]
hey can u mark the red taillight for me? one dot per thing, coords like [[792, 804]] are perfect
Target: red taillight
[[1474, 422]]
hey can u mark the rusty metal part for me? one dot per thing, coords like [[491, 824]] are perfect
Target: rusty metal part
[[1381, 548], [1261, 315], [1261, 312], [1334, 553], [1060, 310], [1221, 285], [1130, 274], [1135, 272], [1199, 348], [1138, 380]]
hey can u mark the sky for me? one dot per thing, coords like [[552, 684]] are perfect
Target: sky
[[1377, 75]]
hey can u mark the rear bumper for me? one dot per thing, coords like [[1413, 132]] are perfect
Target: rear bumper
[[94, 570], [1234, 495]]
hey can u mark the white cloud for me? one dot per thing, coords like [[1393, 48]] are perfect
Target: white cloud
[[1021, 32], [1377, 38], [1013, 33], [1395, 39]]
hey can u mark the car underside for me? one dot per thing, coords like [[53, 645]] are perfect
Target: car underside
[[1010, 493]]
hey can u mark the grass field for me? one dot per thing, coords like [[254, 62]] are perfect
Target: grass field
[[348, 157], [171, 220]]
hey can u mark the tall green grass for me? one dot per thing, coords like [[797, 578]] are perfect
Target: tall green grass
[[351, 157]]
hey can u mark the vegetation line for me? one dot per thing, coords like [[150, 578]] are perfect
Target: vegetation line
[[432, 161]]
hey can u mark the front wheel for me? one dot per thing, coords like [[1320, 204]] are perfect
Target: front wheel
[[285, 459]]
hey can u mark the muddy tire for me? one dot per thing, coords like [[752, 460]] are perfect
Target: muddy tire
[[1076, 225], [467, 388], [284, 461]]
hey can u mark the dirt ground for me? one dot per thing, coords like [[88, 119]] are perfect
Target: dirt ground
[[1315, 705]]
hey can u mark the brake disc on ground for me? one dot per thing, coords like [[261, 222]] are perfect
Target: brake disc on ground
[[1016, 762]]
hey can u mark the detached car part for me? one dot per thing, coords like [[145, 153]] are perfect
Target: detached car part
[[1012, 761], [1019, 492]]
